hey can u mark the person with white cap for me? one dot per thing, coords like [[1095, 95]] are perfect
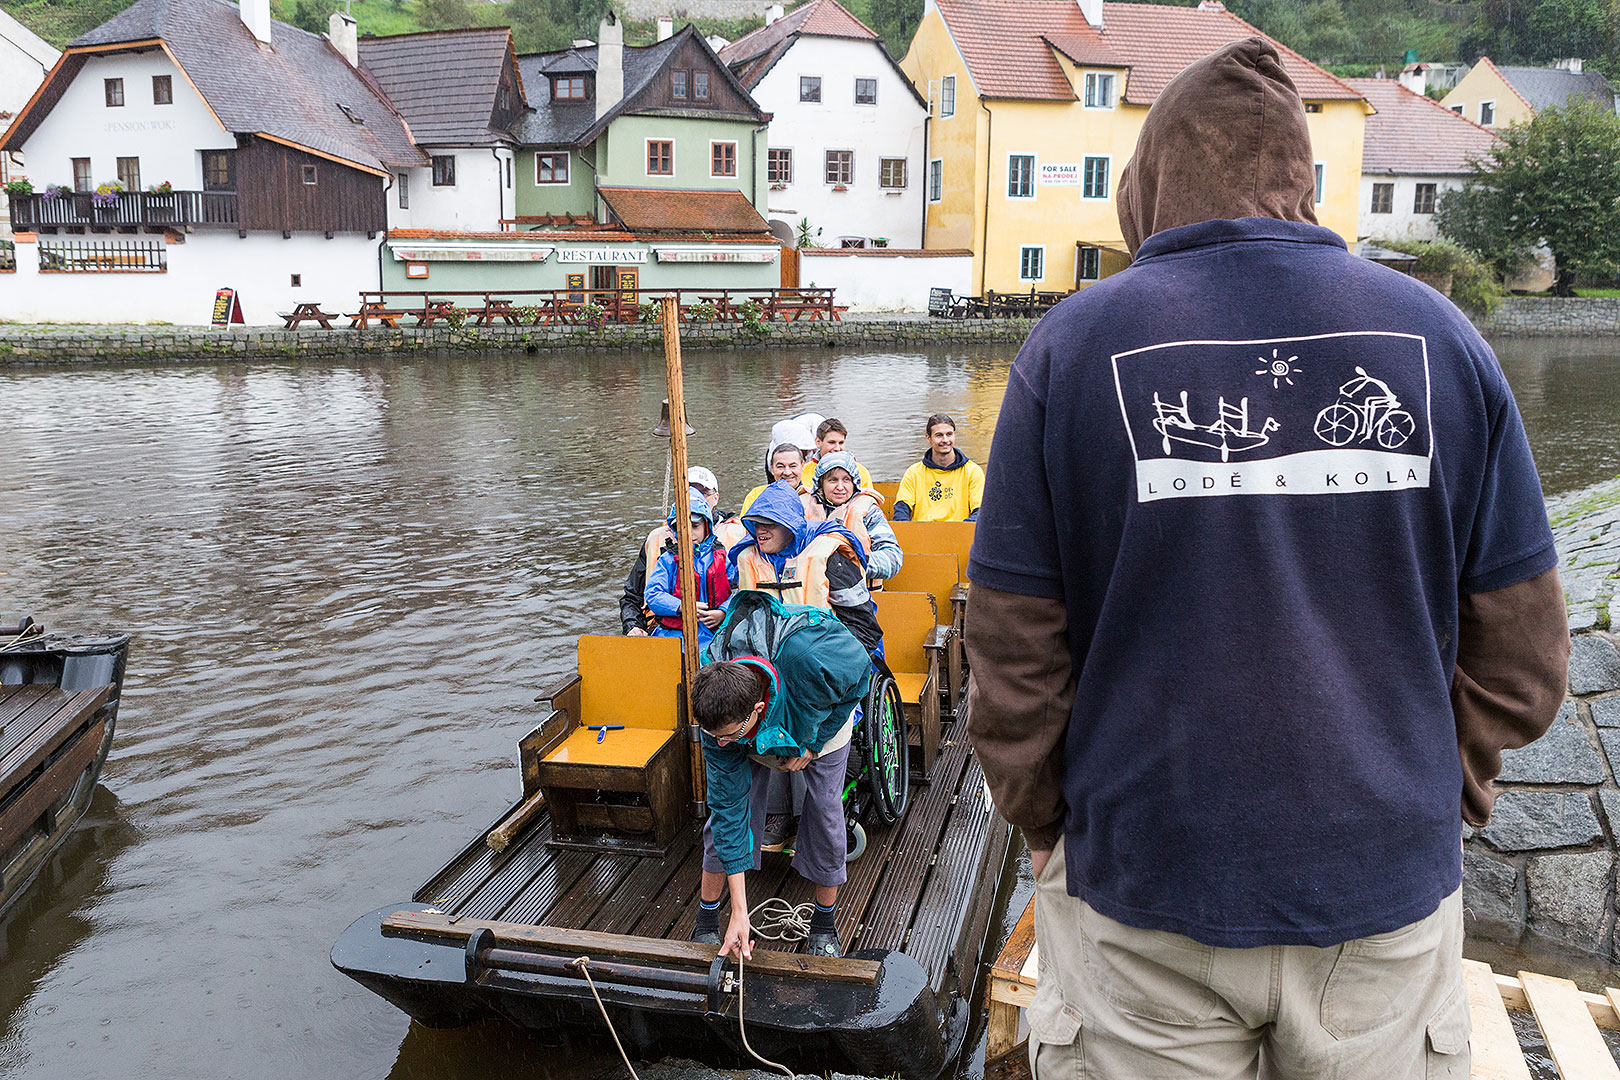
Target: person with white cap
[[635, 619]]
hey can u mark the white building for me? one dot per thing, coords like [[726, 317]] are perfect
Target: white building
[[1415, 151], [847, 134], [187, 146], [25, 60]]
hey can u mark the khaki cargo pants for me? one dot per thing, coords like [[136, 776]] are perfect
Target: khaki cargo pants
[[1118, 1003]]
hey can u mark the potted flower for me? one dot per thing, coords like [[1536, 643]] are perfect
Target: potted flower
[[160, 201], [55, 191], [165, 188], [19, 187], [106, 197]]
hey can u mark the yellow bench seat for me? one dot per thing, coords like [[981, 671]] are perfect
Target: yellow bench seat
[[630, 748]]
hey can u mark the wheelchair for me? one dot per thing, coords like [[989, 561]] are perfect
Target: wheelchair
[[877, 779]]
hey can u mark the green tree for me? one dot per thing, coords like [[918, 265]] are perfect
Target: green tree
[[444, 14], [1555, 180], [310, 15]]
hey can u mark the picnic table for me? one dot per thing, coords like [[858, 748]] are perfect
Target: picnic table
[[432, 311], [375, 311], [302, 313], [497, 309]]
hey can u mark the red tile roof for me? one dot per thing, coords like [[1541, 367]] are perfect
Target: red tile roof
[[1008, 46], [651, 212], [752, 55], [1414, 135]]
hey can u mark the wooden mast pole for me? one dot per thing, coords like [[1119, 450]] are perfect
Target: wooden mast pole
[[684, 569]]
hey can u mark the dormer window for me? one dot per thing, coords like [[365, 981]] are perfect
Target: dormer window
[[570, 88], [503, 97], [677, 85], [700, 85]]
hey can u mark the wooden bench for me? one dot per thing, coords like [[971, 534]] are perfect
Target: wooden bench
[[303, 313], [376, 311], [938, 574], [955, 537], [1569, 1018], [48, 736], [912, 646], [624, 788]]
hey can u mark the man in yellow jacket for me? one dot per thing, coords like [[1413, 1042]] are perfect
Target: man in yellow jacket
[[944, 485]]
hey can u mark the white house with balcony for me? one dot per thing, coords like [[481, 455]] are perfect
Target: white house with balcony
[[25, 60], [188, 145], [847, 133]]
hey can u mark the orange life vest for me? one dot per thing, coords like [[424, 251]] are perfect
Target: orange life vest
[[804, 577], [728, 533]]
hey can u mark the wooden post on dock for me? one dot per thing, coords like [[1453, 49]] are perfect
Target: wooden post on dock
[[684, 570]]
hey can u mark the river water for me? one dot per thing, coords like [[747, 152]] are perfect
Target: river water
[[345, 582]]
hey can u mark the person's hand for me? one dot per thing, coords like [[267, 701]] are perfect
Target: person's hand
[[795, 764], [711, 617], [635, 631], [738, 933], [1038, 859]]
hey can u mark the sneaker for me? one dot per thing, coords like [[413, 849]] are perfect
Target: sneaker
[[706, 937], [780, 832], [824, 944]]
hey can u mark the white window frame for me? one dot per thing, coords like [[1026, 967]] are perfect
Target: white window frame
[[934, 163], [1320, 169], [736, 160], [821, 89], [1034, 175], [646, 144], [850, 150], [788, 150], [949, 80], [1080, 262], [568, 168], [1108, 184], [1482, 121], [1113, 93], [1022, 248], [855, 91]]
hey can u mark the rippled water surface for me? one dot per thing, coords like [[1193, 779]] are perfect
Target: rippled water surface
[[345, 582]]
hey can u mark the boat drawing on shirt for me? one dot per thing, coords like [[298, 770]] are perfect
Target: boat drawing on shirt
[[1378, 415], [1229, 433]]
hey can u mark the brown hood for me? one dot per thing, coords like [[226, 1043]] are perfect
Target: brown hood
[[1226, 139]]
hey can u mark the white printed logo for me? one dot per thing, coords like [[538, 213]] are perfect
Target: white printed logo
[[1331, 413]]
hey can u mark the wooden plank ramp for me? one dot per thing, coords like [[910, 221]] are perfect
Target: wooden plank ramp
[[1568, 1017]]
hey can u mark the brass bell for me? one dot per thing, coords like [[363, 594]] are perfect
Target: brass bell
[[662, 430]]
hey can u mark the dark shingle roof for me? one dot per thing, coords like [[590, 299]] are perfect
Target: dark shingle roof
[[1411, 134], [1545, 87], [290, 90], [566, 124], [443, 81]]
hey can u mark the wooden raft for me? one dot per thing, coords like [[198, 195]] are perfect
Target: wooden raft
[[48, 737], [1569, 1018]]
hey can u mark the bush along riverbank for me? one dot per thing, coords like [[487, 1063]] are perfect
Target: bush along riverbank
[[21, 344], [1545, 864]]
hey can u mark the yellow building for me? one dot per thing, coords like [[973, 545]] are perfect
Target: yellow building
[[1495, 96], [1036, 106]]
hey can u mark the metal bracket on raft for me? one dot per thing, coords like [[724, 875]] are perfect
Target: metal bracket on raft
[[721, 982], [480, 939]]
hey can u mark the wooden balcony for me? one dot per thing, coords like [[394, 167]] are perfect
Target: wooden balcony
[[134, 209]]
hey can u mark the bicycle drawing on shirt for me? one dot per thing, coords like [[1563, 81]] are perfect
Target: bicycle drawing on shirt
[[1229, 433], [1378, 415]]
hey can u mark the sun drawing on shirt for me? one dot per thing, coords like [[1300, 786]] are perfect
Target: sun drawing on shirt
[[1280, 370]]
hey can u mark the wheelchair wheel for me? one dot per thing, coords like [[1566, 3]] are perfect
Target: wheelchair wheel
[[889, 775], [857, 842]]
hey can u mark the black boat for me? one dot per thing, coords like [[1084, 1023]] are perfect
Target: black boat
[[58, 707]]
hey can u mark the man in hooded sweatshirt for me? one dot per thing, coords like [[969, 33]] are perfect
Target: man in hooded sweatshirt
[[944, 485], [1262, 587]]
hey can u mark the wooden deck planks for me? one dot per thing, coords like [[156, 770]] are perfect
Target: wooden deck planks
[[645, 882], [1495, 1048], [579, 903], [903, 879], [542, 892], [1576, 1046], [23, 699], [948, 901], [510, 877], [682, 886], [29, 740]]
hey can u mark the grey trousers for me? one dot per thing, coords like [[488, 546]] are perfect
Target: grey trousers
[[822, 848], [1118, 1003]]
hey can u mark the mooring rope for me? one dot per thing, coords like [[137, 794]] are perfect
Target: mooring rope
[[23, 635], [743, 1031], [583, 964], [781, 921]]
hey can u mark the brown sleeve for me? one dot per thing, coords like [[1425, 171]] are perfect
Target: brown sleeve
[[1019, 701], [1512, 665]]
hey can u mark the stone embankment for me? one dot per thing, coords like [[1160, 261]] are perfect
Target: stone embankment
[[1546, 316], [1546, 862], [161, 344]]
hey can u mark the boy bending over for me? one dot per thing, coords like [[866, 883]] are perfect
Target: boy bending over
[[782, 692]]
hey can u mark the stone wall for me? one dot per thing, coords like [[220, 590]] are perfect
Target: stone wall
[[1576, 316], [161, 344], [1545, 864]]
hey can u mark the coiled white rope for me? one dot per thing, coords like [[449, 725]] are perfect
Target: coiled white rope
[[779, 920]]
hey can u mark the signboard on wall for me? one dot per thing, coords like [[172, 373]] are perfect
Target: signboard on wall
[[602, 255], [1060, 173], [627, 286], [576, 288], [227, 307]]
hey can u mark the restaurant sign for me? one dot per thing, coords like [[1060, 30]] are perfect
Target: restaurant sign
[[717, 255], [1060, 174], [602, 255]]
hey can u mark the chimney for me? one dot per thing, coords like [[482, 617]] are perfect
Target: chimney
[[716, 42], [1415, 78], [773, 13], [666, 28], [1092, 10], [1211, 5], [341, 29], [256, 17], [609, 64]]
